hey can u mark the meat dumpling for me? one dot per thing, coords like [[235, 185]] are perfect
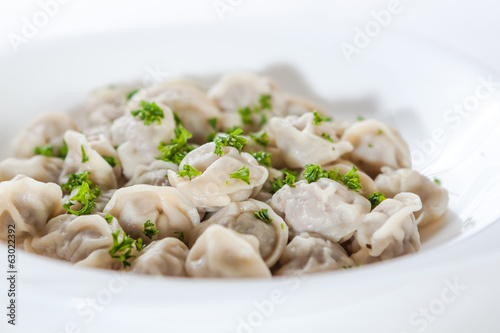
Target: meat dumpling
[[190, 103], [223, 253], [47, 129], [138, 143], [164, 257], [214, 188], [376, 145], [389, 231], [240, 216], [41, 168], [301, 142], [434, 197], [82, 240], [101, 172], [308, 254], [325, 207], [27, 204], [165, 207]]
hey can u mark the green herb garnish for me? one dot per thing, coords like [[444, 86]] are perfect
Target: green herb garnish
[[290, 179], [85, 158], [109, 218], [243, 174], [121, 250], [263, 158], [263, 215], [150, 113], [327, 137], [181, 235], [111, 160], [261, 139], [318, 120], [437, 181], [231, 140], [313, 173], [149, 229], [44, 150], [189, 171], [131, 94], [85, 197], [376, 198], [178, 147]]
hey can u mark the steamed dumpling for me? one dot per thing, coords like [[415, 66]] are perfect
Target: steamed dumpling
[[82, 240], [434, 197], [308, 254], [138, 143], [376, 145], [223, 253], [47, 129], [106, 104], [325, 207], [29, 205], [165, 207], [214, 188], [389, 231], [190, 103], [164, 257], [101, 173], [239, 216], [40, 168], [301, 142]]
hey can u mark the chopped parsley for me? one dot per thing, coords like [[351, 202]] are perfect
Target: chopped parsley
[[111, 160], [44, 150], [370, 145], [243, 174], [380, 131], [150, 113], [313, 173], [189, 171], [86, 199], [261, 139], [181, 235], [149, 229], [263, 215], [290, 179], [78, 179], [246, 116], [282, 226], [177, 119], [231, 140], [131, 94], [319, 119], [360, 118], [109, 218], [85, 157], [63, 151], [263, 158], [122, 250], [327, 137], [140, 245], [213, 124], [178, 147], [376, 198], [265, 104], [437, 181]]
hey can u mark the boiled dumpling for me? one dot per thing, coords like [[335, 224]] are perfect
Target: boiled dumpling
[[191, 104], [214, 188], [47, 129], [165, 207], [163, 257], [223, 253], [106, 104], [82, 240], [138, 143], [153, 174], [40, 168], [434, 197], [301, 142], [239, 216], [325, 207], [389, 230], [376, 145], [101, 173], [309, 254], [27, 204]]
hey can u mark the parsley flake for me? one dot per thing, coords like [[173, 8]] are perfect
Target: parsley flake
[[150, 113], [261, 139], [131, 94], [44, 150], [122, 250], [243, 174], [181, 235], [109, 218], [319, 119], [178, 147], [263, 215], [111, 160], [290, 179], [263, 158], [149, 229], [231, 140], [85, 157], [327, 137], [189, 171], [313, 173], [376, 198]]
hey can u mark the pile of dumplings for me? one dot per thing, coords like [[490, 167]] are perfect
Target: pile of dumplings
[[207, 225]]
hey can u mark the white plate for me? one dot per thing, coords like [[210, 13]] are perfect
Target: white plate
[[406, 82]]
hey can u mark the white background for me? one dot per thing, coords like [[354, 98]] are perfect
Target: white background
[[469, 27]]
